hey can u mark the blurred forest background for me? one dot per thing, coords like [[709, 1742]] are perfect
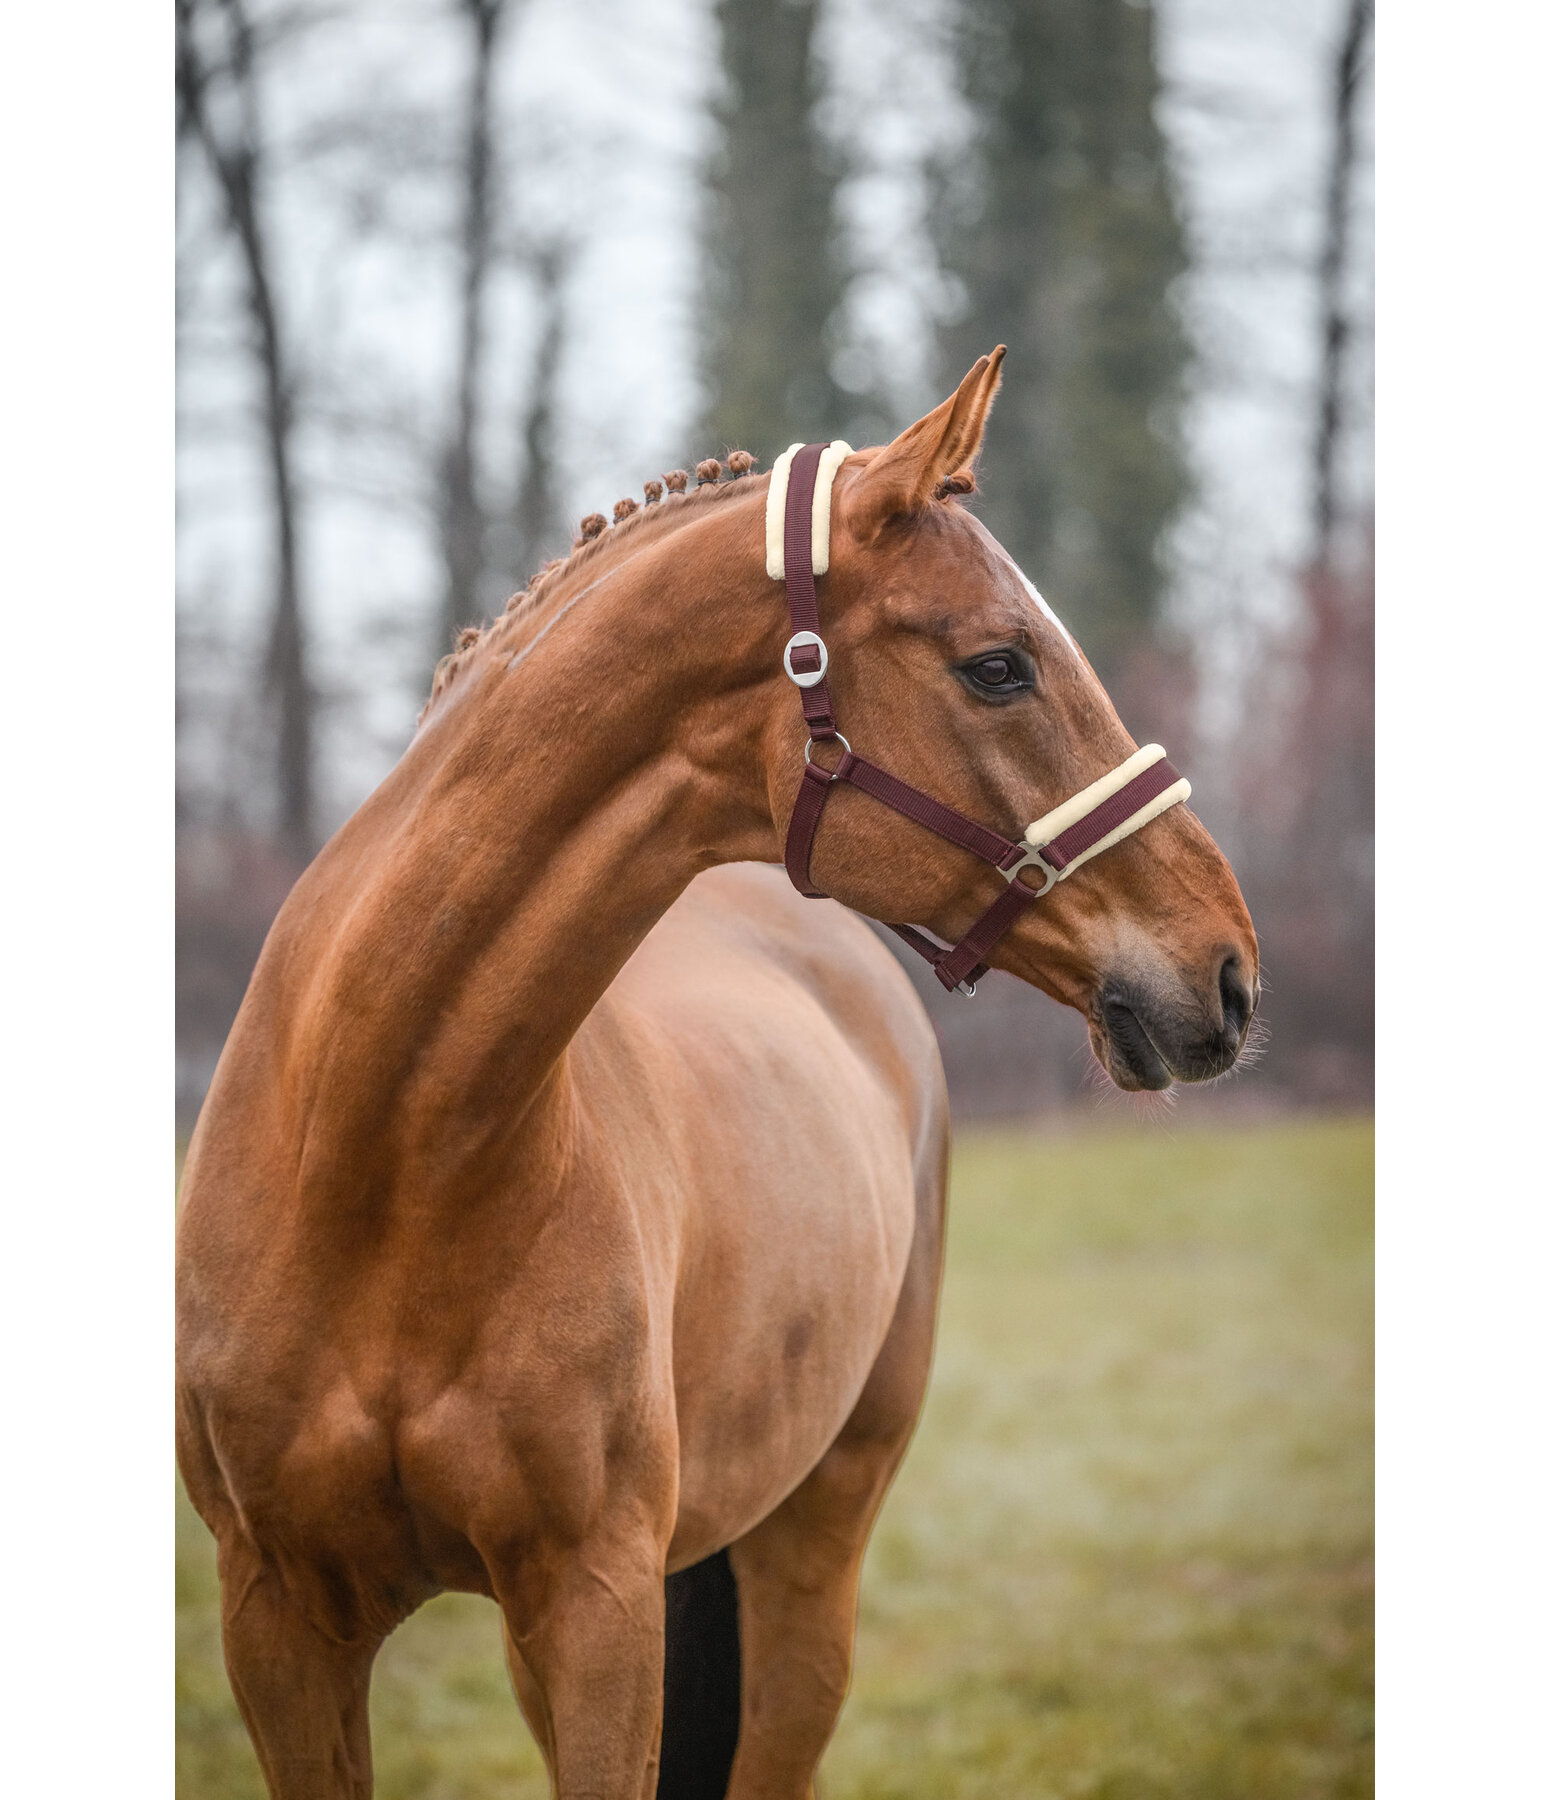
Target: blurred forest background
[[452, 273]]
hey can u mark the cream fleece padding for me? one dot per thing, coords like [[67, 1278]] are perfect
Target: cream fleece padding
[[775, 509], [823, 494], [1168, 797], [775, 516], [1046, 830]]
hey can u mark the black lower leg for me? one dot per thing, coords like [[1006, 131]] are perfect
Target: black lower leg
[[702, 1685]]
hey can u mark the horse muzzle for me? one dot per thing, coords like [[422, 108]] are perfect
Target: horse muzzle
[[1147, 1038]]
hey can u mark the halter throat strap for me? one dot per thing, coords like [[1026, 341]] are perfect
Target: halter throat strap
[[1100, 816]]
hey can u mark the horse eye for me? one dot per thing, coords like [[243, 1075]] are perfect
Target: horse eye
[[1000, 676]]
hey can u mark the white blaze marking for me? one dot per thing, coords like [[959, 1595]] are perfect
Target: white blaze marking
[[1045, 607]]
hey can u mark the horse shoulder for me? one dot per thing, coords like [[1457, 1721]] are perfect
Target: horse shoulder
[[768, 1054]]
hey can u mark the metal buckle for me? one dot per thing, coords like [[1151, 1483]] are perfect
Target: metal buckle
[[795, 642], [838, 738], [1029, 855]]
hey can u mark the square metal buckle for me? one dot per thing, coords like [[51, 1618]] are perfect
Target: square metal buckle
[[1030, 855], [800, 640]]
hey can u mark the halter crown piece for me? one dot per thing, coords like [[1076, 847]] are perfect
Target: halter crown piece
[[796, 546]]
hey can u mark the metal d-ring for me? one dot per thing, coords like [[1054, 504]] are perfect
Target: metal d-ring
[[967, 989], [797, 641], [838, 738]]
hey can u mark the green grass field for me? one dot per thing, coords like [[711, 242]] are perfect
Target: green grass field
[[1129, 1554]]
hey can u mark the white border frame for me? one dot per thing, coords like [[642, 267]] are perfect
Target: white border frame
[[86, 331], [1463, 372]]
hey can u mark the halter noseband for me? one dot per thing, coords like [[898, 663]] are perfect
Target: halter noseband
[[796, 536]]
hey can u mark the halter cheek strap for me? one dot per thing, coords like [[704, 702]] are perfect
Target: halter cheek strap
[[1100, 816]]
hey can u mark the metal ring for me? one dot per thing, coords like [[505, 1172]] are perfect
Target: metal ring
[[813, 676], [967, 989], [838, 738]]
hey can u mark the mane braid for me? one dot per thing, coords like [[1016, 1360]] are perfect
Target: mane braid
[[660, 514], [661, 517]]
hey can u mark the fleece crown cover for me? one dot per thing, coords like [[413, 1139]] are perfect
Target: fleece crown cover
[[775, 509]]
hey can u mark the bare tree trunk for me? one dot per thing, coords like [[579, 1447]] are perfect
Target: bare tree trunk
[[774, 246], [540, 525], [463, 519], [1064, 231], [236, 158], [1335, 326]]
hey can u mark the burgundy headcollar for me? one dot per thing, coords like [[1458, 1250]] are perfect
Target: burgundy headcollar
[[1114, 806]]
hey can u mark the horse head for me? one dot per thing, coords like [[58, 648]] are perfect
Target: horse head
[[949, 670]]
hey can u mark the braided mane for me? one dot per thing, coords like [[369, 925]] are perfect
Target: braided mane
[[596, 543], [662, 513]]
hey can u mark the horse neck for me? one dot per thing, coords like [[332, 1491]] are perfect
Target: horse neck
[[442, 952]]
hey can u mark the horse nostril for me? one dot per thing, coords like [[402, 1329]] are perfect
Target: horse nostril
[[1237, 1003]]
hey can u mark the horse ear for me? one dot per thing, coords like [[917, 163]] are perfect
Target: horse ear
[[906, 475]]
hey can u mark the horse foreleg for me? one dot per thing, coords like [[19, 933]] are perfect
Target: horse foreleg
[[797, 1579], [302, 1691], [585, 1647], [798, 1572], [530, 1698]]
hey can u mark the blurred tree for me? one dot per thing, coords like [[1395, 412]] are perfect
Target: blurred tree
[[218, 108], [1063, 232], [1305, 785], [1334, 323], [461, 516], [1305, 792], [538, 514], [777, 278]]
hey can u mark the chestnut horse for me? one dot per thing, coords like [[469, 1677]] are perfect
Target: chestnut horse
[[567, 1213]]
